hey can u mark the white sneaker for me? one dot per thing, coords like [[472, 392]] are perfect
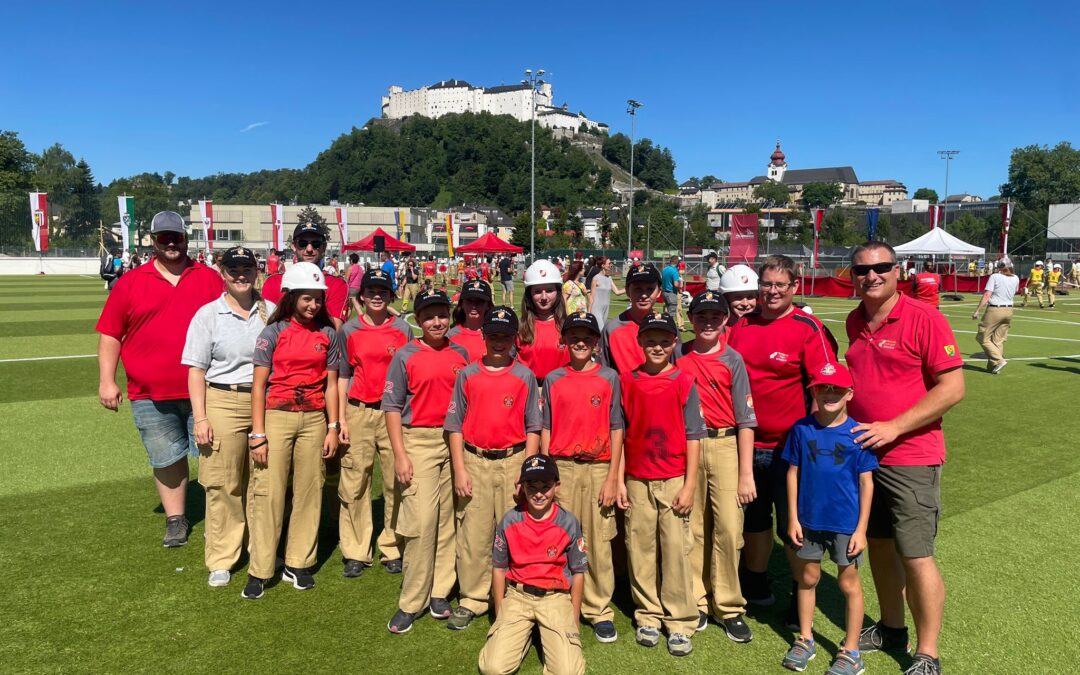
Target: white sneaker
[[219, 578], [999, 367]]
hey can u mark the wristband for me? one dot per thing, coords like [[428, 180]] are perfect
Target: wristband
[[333, 425], [202, 420], [254, 436]]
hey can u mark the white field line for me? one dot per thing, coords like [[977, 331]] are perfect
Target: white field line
[[1030, 358], [49, 358], [1011, 335]]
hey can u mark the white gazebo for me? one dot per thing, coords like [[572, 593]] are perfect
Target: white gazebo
[[939, 242]]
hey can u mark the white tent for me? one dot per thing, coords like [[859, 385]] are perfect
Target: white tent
[[938, 242]]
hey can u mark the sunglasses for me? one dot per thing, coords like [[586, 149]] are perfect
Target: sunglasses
[[878, 268], [313, 243], [169, 237]]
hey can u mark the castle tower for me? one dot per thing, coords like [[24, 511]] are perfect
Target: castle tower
[[777, 164]]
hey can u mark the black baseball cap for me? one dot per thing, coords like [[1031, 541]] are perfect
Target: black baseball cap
[[644, 274], [309, 229], [500, 321], [376, 277], [539, 467], [709, 300], [237, 256], [477, 288], [429, 298], [658, 321], [580, 320]]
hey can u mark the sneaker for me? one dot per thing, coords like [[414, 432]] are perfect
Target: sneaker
[[880, 638], [439, 608], [177, 530], [253, 590], [299, 577], [219, 578], [353, 569], [393, 566], [999, 367], [605, 632], [755, 588], [737, 630], [800, 655], [846, 664], [400, 623], [647, 636], [702, 621], [924, 665], [679, 644], [460, 618]]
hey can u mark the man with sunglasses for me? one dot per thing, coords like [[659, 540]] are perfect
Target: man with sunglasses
[[908, 372], [145, 323], [309, 245]]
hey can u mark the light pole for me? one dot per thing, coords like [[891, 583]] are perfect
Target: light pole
[[946, 155], [631, 107], [533, 80]]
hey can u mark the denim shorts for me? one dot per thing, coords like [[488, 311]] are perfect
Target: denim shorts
[[167, 430]]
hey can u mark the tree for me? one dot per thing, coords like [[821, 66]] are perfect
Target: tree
[[926, 193], [521, 237], [308, 214], [708, 180], [16, 180], [820, 195], [772, 191], [1040, 176], [85, 209]]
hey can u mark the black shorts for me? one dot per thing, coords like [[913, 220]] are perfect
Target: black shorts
[[770, 479], [906, 507]]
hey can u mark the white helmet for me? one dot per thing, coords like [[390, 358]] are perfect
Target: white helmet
[[303, 276], [542, 272], [1057, 266], [738, 278], [1038, 263]]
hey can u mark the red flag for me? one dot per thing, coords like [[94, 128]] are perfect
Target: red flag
[[277, 220], [1006, 220], [743, 243], [206, 207], [342, 223], [935, 215], [818, 215], [39, 213]]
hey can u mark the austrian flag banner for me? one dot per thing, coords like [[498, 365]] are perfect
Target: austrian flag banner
[[206, 208], [744, 235], [277, 220], [935, 215], [342, 216], [818, 215], [39, 216], [1006, 220]]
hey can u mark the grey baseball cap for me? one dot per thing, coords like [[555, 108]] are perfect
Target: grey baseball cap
[[167, 221]]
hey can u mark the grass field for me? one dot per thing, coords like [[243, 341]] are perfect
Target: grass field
[[88, 586]]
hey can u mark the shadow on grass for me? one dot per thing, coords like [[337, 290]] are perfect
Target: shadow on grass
[[1061, 369]]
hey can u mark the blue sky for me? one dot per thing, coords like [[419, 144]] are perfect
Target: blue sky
[[140, 86]]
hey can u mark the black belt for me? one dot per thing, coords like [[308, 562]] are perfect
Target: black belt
[[579, 459], [535, 591], [720, 433], [501, 453], [377, 405], [1001, 306], [239, 388]]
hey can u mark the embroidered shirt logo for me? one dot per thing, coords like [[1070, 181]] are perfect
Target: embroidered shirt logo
[[779, 356]]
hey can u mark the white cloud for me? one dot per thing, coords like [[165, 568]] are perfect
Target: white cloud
[[253, 125]]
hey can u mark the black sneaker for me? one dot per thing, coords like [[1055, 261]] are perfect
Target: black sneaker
[[299, 577], [177, 530], [401, 622], [605, 632], [702, 621], [878, 637], [254, 588], [924, 665], [393, 566], [353, 569], [440, 608], [737, 630]]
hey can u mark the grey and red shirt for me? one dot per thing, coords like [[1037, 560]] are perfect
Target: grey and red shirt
[[543, 553], [299, 356], [368, 351], [494, 409], [471, 339], [420, 381], [722, 384], [581, 408]]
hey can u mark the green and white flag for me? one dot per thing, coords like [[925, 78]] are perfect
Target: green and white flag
[[127, 222]]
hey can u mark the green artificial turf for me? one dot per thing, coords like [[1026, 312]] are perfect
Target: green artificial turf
[[90, 589]]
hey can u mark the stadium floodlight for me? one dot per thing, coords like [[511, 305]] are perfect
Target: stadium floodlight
[[631, 108]]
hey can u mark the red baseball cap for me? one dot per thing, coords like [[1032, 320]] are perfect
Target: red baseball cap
[[834, 374]]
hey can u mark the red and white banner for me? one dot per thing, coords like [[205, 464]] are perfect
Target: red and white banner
[[277, 226], [818, 215], [935, 215], [744, 235], [206, 208], [1006, 221], [39, 216], [342, 215]]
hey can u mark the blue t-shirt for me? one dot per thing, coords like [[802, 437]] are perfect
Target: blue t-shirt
[[829, 464], [389, 268], [668, 277]]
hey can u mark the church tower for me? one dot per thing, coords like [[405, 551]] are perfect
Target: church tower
[[777, 165]]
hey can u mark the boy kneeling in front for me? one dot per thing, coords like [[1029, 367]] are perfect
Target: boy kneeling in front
[[539, 564]]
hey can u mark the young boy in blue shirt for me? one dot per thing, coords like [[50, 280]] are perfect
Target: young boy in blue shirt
[[830, 486]]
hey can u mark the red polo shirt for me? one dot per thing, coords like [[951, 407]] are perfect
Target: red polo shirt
[[420, 381], [722, 383], [545, 354], [893, 368], [429, 268], [543, 553], [581, 409], [471, 340], [368, 350], [272, 263], [299, 357], [482, 395], [662, 413], [925, 287], [337, 294], [150, 317]]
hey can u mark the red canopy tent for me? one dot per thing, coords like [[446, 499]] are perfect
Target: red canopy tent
[[368, 243], [489, 243]]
